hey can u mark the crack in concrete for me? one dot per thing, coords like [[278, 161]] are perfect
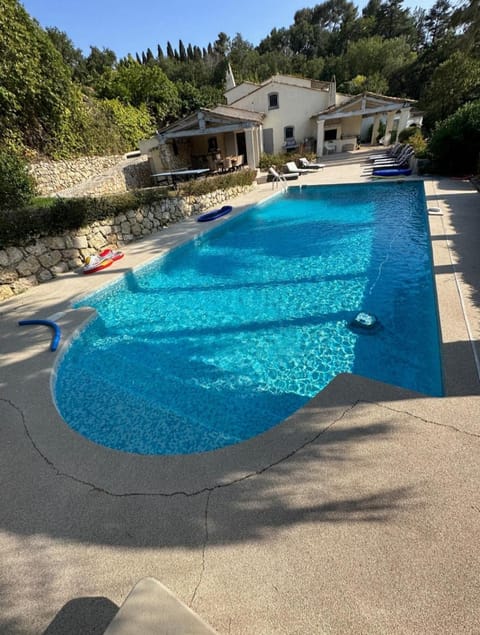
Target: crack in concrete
[[204, 548], [419, 418], [96, 488], [209, 490]]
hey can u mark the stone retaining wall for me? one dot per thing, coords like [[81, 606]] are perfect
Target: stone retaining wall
[[54, 176], [41, 259], [129, 174]]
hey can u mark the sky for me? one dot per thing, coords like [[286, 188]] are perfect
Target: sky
[[126, 26]]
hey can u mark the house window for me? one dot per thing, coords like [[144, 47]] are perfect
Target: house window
[[273, 101], [330, 135], [289, 132]]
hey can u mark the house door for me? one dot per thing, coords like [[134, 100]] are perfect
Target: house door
[[242, 146], [268, 140]]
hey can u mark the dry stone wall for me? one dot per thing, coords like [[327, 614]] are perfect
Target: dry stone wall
[[91, 176], [42, 259], [54, 176]]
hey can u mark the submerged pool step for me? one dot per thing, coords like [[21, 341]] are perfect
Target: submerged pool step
[[121, 419], [199, 392], [164, 406]]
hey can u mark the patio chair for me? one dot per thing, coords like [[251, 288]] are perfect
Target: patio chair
[[330, 147], [290, 144], [305, 163], [239, 161], [226, 164], [291, 168]]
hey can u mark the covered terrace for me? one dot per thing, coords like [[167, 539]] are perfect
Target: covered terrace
[[219, 140], [340, 127]]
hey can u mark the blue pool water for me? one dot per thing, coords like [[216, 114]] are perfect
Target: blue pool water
[[231, 333]]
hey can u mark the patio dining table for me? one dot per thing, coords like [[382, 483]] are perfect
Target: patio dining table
[[172, 177]]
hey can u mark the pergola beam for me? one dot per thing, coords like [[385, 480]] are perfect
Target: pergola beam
[[196, 132], [364, 112]]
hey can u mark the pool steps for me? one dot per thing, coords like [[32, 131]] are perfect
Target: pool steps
[[147, 388]]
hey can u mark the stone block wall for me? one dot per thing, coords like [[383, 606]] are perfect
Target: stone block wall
[[54, 176], [91, 176], [127, 175], [42, 259]]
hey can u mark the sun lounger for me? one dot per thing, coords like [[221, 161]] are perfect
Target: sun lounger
[[293, 169], [404, 156], [389, 152], [305, 163]]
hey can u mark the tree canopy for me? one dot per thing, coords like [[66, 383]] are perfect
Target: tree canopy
[[52, 97]]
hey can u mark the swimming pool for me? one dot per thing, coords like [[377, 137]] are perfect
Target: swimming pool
[[229, 334]]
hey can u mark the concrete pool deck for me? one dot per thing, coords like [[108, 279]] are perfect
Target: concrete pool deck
[[358, 514]]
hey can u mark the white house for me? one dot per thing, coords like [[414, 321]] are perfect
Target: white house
[[306, 114], [281, 114], [288, 104]]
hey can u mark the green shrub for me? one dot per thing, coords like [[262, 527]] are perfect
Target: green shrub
[[220, 182], [405, 134], [131, 124], [455, 142], [55, 216], [269, 160], [419, 144], [50, 216], [17, 187], [92, 127]]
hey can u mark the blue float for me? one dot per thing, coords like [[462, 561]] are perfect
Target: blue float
[[56, 330], [392, 172], [216, 213]]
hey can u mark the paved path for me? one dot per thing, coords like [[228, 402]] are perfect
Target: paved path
[[359, 514]]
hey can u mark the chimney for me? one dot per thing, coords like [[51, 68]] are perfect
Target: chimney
[[332, 92], [230, 79]]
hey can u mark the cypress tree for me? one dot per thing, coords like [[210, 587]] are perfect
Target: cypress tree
[[182, 51]]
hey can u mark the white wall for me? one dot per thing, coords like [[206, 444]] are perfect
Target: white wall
[[297, 104], [239, 91]]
